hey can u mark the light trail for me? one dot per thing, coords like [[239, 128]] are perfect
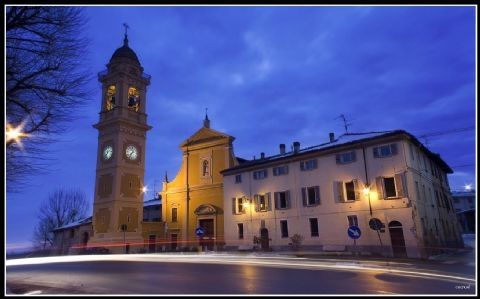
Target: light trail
[[281, 262]]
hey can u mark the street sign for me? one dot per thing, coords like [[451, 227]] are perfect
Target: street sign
[[354, 232], [199, 231], [376, 224]]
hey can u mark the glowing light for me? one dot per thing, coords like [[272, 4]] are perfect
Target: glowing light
[[366, 191], [144, 189], [14, 134], [468, 187]]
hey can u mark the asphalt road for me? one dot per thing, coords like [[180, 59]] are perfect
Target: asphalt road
[[214, 276]]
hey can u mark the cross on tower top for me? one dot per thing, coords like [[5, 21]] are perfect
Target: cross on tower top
[[125, 40]]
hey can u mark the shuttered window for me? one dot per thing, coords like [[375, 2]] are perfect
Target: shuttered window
[[346, 158], [308, 165], [385, 151], [240, 230], [281, 170], [282, 200], [311, 196]]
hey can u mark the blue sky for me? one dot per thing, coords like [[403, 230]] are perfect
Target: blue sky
[[272, 75]]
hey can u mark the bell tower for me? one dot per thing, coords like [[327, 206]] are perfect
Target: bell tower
[[122, 128]]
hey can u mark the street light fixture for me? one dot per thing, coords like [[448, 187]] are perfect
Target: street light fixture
[[13, 135]]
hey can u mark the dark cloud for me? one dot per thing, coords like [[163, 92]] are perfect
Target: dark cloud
[[271, 75]]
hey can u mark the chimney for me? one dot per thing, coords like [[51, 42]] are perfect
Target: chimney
[[282, 149], [332, 137], [262, 155], [296, 146]]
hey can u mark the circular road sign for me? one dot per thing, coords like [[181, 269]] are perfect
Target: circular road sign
[[354, 232], [199, 231], [376, 224]]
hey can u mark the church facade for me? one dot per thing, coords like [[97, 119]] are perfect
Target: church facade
[[195, 197]]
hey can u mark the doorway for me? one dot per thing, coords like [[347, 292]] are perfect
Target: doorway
[[173, 242], [397, 238], [264, 239], [151, 243], [208, 238]]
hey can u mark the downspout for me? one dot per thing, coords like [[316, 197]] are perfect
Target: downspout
[[366, 179]]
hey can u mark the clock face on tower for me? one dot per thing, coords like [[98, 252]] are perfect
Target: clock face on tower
[[131, 152], [107, 152]]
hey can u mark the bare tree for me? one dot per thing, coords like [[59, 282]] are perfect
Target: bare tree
[[45, 81], [61, 208]]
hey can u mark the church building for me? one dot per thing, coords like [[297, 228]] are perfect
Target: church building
[[195, 197]]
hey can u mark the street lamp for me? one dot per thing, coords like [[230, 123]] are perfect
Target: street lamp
[[13, 135], [366, 192]]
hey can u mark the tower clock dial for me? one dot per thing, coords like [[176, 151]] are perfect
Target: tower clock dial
[[107, 152], [131, 152]]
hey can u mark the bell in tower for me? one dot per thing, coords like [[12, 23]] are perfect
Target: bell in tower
[[122, 128]]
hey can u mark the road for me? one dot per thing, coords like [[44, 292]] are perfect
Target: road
[[226, 274]]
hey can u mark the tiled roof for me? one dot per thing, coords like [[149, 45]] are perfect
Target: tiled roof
[[342, 141]]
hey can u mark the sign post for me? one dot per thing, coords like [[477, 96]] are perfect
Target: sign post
[[199, 232], [354, 232], [377, 225]]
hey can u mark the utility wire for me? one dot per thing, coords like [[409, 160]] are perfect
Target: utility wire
[[439, 133]]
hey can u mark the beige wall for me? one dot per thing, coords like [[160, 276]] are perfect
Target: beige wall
[[331, 214]]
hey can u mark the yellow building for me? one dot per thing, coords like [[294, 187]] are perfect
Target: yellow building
[[195, 197]]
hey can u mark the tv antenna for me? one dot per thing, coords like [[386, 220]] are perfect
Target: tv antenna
[[345, 123]]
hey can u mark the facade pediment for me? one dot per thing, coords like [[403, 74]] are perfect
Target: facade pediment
[[206, 135]]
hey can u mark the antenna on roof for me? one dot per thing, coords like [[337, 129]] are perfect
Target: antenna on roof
[[345, 123]]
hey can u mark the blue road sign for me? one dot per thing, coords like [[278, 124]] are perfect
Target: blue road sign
[[199, 231], [354, 232]]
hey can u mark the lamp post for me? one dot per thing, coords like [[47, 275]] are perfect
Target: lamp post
[[249, 205], [124, 229]]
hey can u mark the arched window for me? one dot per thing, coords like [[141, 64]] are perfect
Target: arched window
[[110, 97], [205, 168], [133, 99]]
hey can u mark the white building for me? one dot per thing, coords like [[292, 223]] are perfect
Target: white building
[[318, 192]]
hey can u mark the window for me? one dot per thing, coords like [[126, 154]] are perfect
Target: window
[[390, 190], [262, 202], [238, 205], [205, 168], [282, 200], [72, 233], [349, 190], [308, 165], [238, 178], [240, 230], [346, 191], [133, 99], [346, 158], [128, 218], [110, 104], [260, 174], [385, 150], [352, 220], [281, 170], [262, 205], [394, 187], [174, 214], [314, 227], [284, 228], [311, 196]]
